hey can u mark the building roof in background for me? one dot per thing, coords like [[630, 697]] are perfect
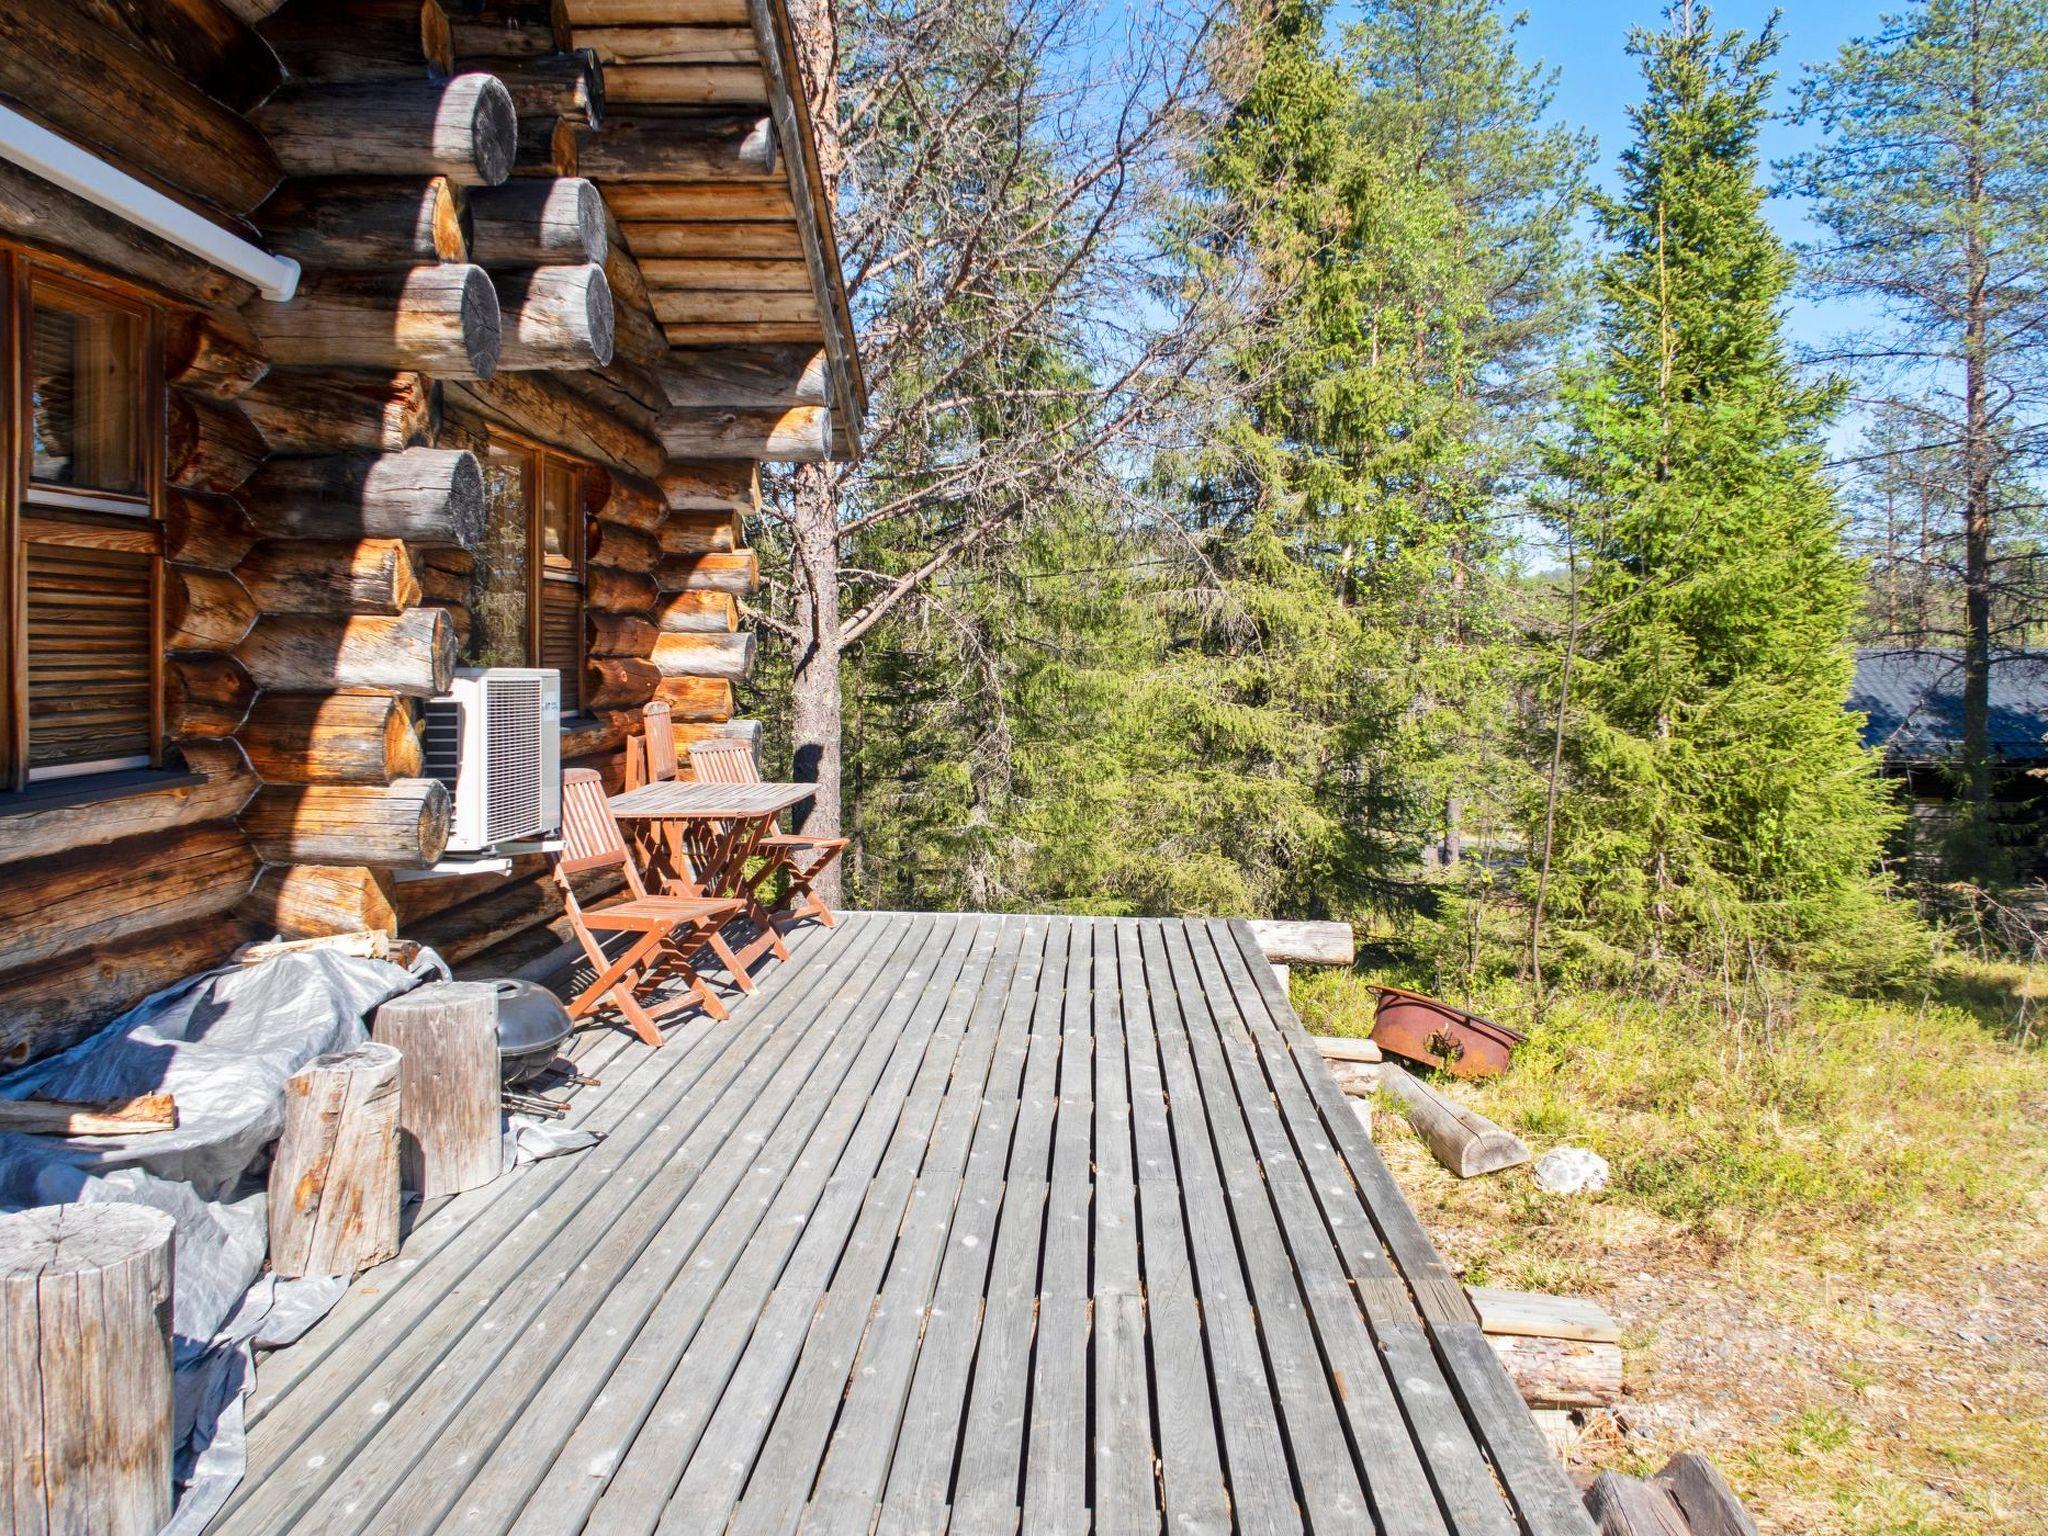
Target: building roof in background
[[1913, 701]]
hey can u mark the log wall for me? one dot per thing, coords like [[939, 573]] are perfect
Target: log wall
[[323, 464]]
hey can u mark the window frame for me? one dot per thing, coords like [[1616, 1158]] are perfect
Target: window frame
[[539, 459], [60, 515]]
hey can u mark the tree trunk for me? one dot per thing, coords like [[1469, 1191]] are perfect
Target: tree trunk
[[1977, 470], [816, 714], [334, 1180]]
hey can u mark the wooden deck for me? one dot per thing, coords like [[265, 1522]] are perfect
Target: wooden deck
[[963, 1223]]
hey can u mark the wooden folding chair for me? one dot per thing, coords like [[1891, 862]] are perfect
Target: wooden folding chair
[[667, 930], [801, 858]]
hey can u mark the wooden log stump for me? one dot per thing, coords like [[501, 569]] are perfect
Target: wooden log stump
[[334, 1179], [621, 634], [1304, 943], [622, 547], [1464, 1141], [449, 1122], [610, 591], [85, 1369], [700, 533]]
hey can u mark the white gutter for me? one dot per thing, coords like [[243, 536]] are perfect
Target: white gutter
[[56, 159]]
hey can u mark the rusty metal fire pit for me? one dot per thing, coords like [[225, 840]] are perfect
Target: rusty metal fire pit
[[1422, 1029]]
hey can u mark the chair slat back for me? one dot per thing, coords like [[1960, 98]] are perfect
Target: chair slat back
[[724, 761], [590, 833], [659, 725]]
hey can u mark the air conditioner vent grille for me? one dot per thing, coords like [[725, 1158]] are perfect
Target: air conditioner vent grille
[[513, 720]]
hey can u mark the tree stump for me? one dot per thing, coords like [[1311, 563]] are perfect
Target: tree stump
[[449, 1087], [85, 1370], [334, 1180]]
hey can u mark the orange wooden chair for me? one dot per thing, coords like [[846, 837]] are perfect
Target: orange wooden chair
[[801, 858], [667, 930]]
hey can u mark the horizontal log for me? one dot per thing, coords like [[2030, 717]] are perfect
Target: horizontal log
[[623, 548], [301, 411], [89, 85], [49, 1007], [694, 306], [50, 907], [62, 829], [463, 128], [205, 697], [1561, 1373], [45, 216], [204, 610], [555, 317], [1304, 943], [640, 337], [734, 274], [697, 698], [546, 148], [737, 572], [307, 901], [657, 237], [569, 85], [628, 13], [318, 576], [635, 502], [336, 223], [621, 634], [539, 221], [611, 591], [765, 378], [692, 85], [706, 655], [1704, 1497], [800, 434], [467, 931], [332, 738], [685, 613], [712, 486], [726, 147], [699, 533], [208, 532], [440, 585], [344, 41], [198, 40], [211, 352], [101, 1117], [440, 320], [672, 44], [412, 654], [209, 445], [403, 825], [742, 333], [419, 900], [619, 682], [748, 731], [1463, 1140], [677, 202], [510, 32], [595, 740], [423, 495], [542, 406], [1620, 1505]]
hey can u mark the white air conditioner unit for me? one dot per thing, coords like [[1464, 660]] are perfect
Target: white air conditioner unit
[[496, 742]]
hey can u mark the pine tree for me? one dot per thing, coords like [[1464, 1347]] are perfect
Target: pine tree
[[1717, 801]]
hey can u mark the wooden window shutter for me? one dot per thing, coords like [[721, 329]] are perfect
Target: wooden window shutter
[[90, 657]]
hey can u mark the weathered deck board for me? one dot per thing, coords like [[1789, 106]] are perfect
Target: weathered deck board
[[977, 1224]]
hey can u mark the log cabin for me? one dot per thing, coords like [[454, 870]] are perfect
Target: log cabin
[[349, 342]]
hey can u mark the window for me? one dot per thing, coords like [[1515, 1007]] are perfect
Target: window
[[529, 591], [81, 546]]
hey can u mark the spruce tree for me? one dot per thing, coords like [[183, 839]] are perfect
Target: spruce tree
[[1717, 801]]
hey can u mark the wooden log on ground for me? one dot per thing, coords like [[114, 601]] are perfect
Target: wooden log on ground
[[331, 738], [412, 653], [199, 40], [52, 906], [205, 697], [619, 682], [312, 576], [449, 1085], [340, 41], [731, 146], [1627, 1506], [464, 128], [623, 548], [1303, 943], [440, 320], [737, 571], [320, 412], [336, 223], [621, 634], [40, 213], [697, 698], [1709, 1505], [685, 613], [1561, 1373], [310, 901], [542, 406], [204, 610], [798, 434], [106, 1117], [426, 496], [209, 445], [209, 533], [555, 317], [334, 1178], [701, 533], [1464, 1141], [611, 591], [1533, 1314], [538, 222], [712, 486], [89, 85], [212, 352], [52, 1005], [765, 378], [85, 1346], [402, 825], [706, 655]]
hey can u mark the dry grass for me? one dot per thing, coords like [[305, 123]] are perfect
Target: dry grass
[[1827, 1241]]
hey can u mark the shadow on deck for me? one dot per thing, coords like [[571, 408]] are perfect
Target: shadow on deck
[[968, 1223]]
